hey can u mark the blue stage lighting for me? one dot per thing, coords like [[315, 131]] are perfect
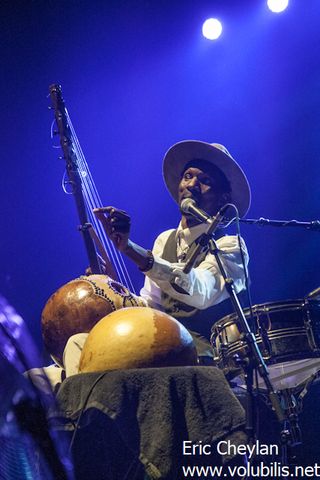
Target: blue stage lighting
[[212, 29], [277, 6]]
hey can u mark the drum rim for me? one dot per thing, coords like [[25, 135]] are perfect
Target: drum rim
[[261, 308]]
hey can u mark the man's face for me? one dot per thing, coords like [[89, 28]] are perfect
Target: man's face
[[201, 186]]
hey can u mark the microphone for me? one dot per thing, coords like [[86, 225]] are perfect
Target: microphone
[[188, 205]]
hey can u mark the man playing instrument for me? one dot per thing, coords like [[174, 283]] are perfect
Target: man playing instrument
[[207, 174]]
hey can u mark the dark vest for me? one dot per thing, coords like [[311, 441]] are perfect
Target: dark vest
[[198, 322]]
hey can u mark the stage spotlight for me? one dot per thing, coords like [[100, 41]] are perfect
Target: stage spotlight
[[211, 29], [277, 6]]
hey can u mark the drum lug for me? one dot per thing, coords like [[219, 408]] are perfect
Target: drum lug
[[309, 332], [263, 328]]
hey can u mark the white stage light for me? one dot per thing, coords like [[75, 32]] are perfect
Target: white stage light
[[212, 29], [277, 6]]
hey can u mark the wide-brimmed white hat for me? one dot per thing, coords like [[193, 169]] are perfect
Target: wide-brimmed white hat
[[181, 153]]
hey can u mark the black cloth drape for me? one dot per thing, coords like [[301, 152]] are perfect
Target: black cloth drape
[[134, 422]]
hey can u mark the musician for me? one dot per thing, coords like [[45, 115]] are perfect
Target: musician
[[209, 175]]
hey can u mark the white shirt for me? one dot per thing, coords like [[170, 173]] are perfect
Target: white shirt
[[205, 284]]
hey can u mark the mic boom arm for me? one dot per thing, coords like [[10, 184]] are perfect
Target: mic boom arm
[[204, 239]]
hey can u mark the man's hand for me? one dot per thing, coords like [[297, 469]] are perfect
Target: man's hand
[[116, 224]]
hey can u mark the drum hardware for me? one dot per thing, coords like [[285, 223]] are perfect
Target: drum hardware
[[307, 385], [263, 332], [314, 295], [309, 329], [311, 336], [264, 325], [293, 403], [290, 436]]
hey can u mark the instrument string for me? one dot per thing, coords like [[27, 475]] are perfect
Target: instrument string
[[93, 200]]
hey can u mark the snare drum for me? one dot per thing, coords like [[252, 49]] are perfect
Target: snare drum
[[286, 332]]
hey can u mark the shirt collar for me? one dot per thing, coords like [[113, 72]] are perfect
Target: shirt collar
[[190, 234]]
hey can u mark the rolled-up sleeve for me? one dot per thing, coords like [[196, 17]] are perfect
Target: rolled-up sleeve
[[204, 284]]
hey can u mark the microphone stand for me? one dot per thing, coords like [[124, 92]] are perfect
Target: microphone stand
[[286, 415], [313, 225], [254, 359], [290, 434]]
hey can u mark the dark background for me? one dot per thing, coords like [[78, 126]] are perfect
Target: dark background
[[138, 76]]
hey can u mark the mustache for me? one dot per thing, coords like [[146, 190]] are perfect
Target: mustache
[[191, 194], [195, 197]]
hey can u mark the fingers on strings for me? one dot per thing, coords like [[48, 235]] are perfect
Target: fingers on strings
[[114, 220]]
